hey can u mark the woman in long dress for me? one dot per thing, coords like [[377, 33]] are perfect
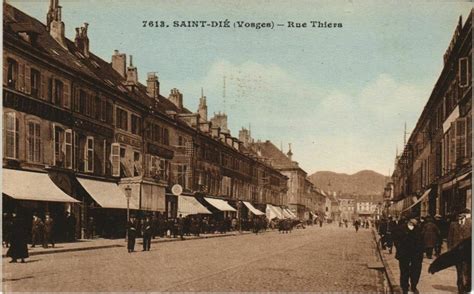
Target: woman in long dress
[[18, 248]]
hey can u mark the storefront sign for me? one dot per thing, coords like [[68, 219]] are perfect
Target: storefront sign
[[124, 139]]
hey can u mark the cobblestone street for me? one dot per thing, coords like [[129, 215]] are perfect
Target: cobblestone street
[[315, 259]]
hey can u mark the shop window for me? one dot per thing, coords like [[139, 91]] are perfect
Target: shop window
[[136, 125], [12, 73], [115, 159], [89, 155], [11, 135], [35, 81], [34, 142]]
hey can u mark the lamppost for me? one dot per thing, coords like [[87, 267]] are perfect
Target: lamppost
[[128, 195]]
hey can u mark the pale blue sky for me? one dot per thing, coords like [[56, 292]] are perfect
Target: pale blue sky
[[340, 96]]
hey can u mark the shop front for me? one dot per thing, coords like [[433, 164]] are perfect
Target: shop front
[[29, 193]]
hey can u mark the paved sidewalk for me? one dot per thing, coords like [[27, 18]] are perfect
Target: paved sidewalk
[[441, 282], [87, 244]]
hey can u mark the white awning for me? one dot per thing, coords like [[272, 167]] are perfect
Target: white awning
[[286, 214], [270, 212], [279, 212], [25, 185], [292, 215], [107, 194], [220, 204], [427, 192], [252, 208], [189, 205]]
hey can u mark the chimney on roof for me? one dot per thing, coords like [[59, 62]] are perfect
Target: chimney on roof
[[244, 137], [55, 26], [202, 109], [176, 98], [132, 73], [290, 154], [152, 85], [220, 120], [82, 40], [119, 62]]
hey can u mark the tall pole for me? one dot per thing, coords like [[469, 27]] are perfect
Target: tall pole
[[128, 218]]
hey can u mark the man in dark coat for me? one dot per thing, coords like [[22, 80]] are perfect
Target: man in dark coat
[[409, 245], [48, 236], [147, 233], [431, 234], [459, 256], [18, 247], [71, 227], [131, 234], [37, 231]]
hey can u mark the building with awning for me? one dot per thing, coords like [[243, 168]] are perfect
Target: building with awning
[[148, 195], [252, 208], [274, 212], [427, 192], [220, 204], [34, 186], [188, 205], [108, 194]]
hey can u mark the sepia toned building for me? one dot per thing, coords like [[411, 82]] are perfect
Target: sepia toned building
[[433, 174], [99, 142]]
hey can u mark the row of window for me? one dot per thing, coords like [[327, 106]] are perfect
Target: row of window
[[158, 134]]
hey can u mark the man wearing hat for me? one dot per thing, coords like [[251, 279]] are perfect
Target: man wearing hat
[[409, 243]]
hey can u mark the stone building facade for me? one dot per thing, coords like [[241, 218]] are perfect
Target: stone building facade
[[101, 137], [433, 174]]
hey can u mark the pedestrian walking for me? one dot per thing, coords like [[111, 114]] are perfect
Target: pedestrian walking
[[131, 234], [18, 247], [180, 227], [320, 222], [147, 233], [409, 245], [356, 225], [48, 236], [37, 231], [71, 227], [459, 230], [431, 234], [441, 223]]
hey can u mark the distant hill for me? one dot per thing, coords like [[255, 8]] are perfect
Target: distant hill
[[365, 182]]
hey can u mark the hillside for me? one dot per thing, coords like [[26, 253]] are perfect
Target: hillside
[[365, 182]]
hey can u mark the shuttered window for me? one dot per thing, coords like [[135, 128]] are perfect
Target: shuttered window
[[34, 142], [11, 129], [115, 159]]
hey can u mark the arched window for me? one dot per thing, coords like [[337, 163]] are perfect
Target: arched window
[[34, 141], [11, 128]]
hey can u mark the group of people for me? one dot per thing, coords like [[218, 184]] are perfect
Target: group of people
[[16, 233], [415, 238]]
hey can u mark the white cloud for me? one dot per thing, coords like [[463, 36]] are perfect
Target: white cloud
[[330, 129]]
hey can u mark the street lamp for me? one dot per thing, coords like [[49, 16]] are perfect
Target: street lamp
[[128, 195]]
